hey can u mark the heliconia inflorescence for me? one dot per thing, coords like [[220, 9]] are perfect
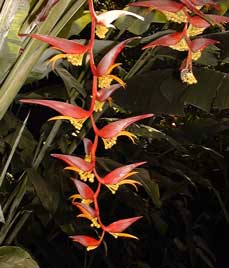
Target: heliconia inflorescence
[[195, 22], [85, 200]]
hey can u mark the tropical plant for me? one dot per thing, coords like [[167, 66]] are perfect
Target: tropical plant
[[184, 182]]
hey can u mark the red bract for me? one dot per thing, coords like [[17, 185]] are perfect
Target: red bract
[[87, 212], [198, 24], [104, 20], [199, 44], [74, 51], [89, 242], [201, 3], [78, 165], [86, 194], [106, 65], [167, 5], [175, 41], [103, 95], [116, 228], [87, 148], [111, 132], [74, 114], [119, 177], [171, 9]]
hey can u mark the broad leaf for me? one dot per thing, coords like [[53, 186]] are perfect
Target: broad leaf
[[15, 257]]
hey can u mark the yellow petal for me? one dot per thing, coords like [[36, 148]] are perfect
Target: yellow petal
[[84, 175], [98, 107], [108, 143], [104, 81], [101, 31], [74, 197], [130, 174], [75, 59], [112, 187], [91, 247], [118, 80], [196, 55], [128, 134], [55, 58], [112, 67], [78, 196], [178, 17], [180, 46], [77, 123], [188, 77], [193, 31], [130, 182], [116, 235]]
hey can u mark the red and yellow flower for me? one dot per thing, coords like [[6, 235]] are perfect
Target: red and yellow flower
[[173, 11], [88, 213], [86, 194], [79, 165], [197, 25], [87, 241], [73, 51], [107, 65], [177, 41], [116, 228], [112, 131], [104, 95], [74, 114], [119, 176]]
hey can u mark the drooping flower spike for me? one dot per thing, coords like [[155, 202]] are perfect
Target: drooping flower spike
[[87, 241], [177, 41], [197, 25], [106, 65], [112, 131], [85, 193], [119, 176], [73, 113], [79, 165], [73, 51], [104, 20], [116, 228], [173, 11], [88, 213], [103, 95]]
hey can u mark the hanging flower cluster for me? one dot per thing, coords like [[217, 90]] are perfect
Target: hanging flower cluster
[[86, 199], [195, 22]]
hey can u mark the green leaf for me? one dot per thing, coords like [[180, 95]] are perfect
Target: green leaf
[[11, 206], [170, 95], [70, 82], [52, 25], [13, 14], [2, 219], [150, 132], [15, 257], [79, 24], [150, 186], [137, 26], [48, 195]]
